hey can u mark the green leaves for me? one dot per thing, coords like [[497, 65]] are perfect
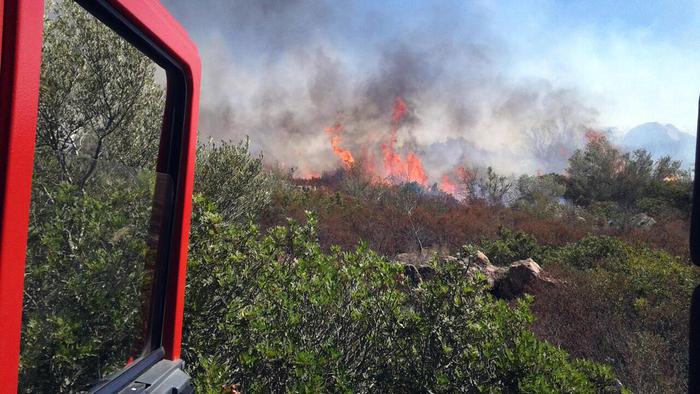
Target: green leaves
[[232, 179], [295, 318]]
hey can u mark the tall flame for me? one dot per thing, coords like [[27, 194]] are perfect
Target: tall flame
[[415, 170], [344, 154], [411, 169], [396, 167], [400, 109], [447, 186]]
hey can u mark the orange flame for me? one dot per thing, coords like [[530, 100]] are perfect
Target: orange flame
[[368, 162], [411, 169], [447, 186], [400, 109], [415, 170], [396, 167], [309, 175], [344, 154]]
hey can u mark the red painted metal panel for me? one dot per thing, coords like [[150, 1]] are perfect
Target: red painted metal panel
[[19, 96], [2, 9], [160, 26]]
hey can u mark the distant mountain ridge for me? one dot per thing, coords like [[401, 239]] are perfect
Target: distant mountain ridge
[[660, 140]]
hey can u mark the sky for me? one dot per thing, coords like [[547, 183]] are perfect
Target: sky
[[491, 80], [638, 60]]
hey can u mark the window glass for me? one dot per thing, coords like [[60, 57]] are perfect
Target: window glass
[[98, 207]]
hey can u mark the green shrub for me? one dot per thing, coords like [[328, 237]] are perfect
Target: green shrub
[[623, 304], [590, 252], [511, 246], [282, 315], [84, 284], [229, 176]]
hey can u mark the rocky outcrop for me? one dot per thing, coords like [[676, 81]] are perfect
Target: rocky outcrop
[[525, 276], [417, 264], [520, 277], [418, 273]]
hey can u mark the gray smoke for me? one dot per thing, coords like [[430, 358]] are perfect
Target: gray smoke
[[282, 71]]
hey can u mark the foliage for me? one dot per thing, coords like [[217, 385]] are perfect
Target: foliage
[[280, 314], [601, 173], [228, 176], [98, 98], [486, 185], [281, 308], [592, 251], [511, 246], [495, 188], [633, 303], [89, 259], [540, 195], [83, 310]]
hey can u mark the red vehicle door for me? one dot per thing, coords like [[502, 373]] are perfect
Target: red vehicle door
[[154, 365]]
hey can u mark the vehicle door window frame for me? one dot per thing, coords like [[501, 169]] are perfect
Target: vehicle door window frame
[[150, 28]]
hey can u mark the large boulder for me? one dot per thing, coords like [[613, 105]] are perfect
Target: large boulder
[[480, 263], [525, 276]]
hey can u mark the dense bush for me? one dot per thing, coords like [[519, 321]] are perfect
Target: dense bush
[[621, 304], [602, 173], [88, 251], [274, 312], [86, 284], [232, 179], [282, 308], [592, 251], [511, 246]]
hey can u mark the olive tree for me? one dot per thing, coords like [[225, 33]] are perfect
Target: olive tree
[[98, 100]]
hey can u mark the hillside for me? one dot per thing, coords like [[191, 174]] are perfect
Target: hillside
[[661, 140], [611, 243]]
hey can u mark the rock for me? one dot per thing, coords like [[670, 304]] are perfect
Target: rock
[[524, 276], [521, 277], [418, 273], [481, 258], [421, 257], [642, 220]]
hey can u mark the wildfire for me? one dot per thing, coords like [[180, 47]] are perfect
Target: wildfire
[[447, 186], [400, 109], [409, 169], [594, 136], [309, 175], [397, 167], [368, 162], [344, 154]]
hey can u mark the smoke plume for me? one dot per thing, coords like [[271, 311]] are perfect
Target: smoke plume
[[315, 83]]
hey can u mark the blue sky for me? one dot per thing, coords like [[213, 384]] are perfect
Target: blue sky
[[639, 60]]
